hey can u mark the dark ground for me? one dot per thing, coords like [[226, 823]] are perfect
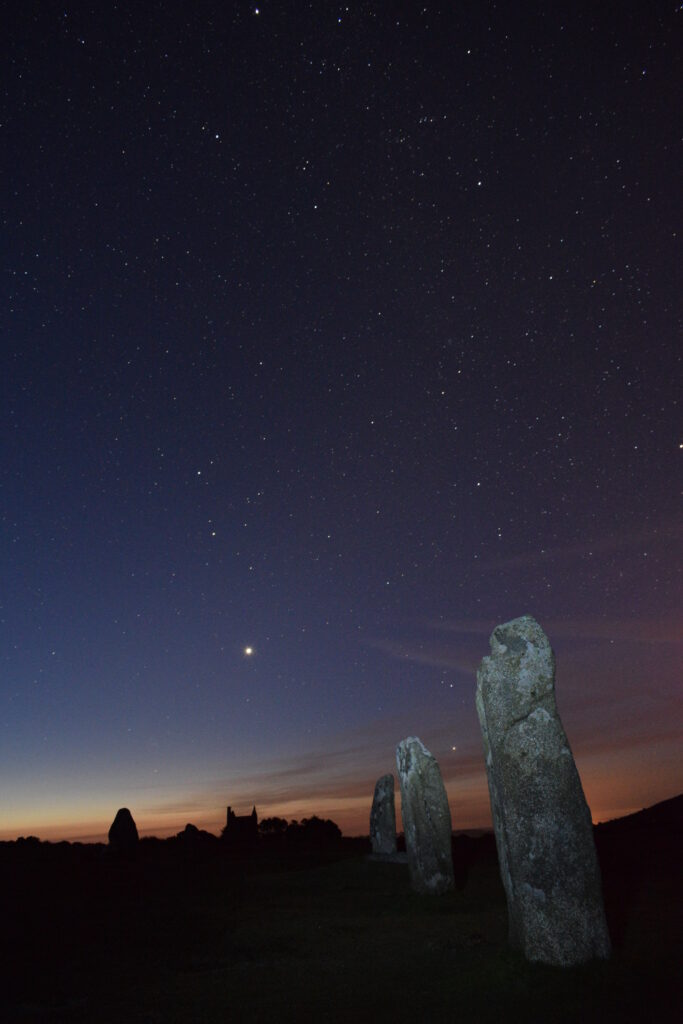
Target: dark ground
[[185, 933]]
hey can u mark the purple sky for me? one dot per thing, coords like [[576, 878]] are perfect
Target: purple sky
[[344, 334]]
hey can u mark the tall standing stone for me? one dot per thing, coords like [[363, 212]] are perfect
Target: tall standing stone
[[426, 818], [123, 834], [544, 833], [383, 817]]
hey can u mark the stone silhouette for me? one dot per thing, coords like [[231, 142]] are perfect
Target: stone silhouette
[[383, 818], [123, 834], [542, 823], [426, 818]]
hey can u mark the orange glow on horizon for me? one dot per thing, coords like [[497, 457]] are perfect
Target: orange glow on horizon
[[616, 783], [351, 815]]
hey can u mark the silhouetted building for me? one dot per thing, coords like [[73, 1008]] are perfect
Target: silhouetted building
[[241, 830]]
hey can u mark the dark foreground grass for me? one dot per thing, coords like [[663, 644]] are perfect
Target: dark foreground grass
[[215, 941]]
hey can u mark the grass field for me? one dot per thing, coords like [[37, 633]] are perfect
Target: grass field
[[169, 939]]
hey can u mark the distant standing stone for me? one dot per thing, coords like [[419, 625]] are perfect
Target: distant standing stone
[[543, 828], [426, 818], [383, 817], [123, 835]]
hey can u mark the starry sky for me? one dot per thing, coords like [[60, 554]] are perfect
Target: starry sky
[[341, 333]]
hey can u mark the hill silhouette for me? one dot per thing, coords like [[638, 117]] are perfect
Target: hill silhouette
[[665, 814]]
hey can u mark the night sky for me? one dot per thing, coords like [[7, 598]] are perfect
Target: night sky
[[342, 334]]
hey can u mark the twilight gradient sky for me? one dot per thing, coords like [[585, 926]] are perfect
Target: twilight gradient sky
[[345, 333]]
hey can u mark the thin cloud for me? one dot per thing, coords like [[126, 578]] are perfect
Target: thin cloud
[[463, 627], [666, 630], [345, 772], [631, 736], [648, 537], [424, 654]]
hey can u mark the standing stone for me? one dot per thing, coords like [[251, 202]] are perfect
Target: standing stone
[[123, 835], [383, 817], [426, 818], [543, 828]]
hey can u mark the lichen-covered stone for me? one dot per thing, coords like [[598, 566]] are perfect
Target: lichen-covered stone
[[426, 818], [542, 823], [383, 817]]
